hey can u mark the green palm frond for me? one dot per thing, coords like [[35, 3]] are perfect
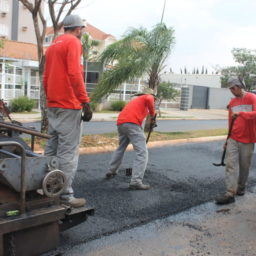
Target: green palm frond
[[139, 51]]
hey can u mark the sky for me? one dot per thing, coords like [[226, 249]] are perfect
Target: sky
[[205, 30]]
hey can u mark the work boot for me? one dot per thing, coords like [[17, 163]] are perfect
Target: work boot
[[226, 199], [74, 202], [139, 186], [111, 174], [240, 191]]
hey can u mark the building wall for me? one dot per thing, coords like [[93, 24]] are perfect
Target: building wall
[[5, 18], [219, 98], [26, 31], [19, 78], [179, 80], [16, 22]]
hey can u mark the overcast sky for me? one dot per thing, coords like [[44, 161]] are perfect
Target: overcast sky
[[205, 30]]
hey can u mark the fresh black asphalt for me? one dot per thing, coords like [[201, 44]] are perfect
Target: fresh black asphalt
[[181, 176]]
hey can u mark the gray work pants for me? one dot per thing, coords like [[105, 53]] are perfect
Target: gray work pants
[[131, 133], [65, 129], [238, 159]]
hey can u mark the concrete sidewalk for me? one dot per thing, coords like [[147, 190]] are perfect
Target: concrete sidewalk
[[196, 114]]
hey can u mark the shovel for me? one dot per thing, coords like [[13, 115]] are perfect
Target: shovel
[[225, 145], [128, 171]]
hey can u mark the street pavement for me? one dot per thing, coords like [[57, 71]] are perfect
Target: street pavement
[[205, 230], [182, 176], [173, 120], [177, 217]]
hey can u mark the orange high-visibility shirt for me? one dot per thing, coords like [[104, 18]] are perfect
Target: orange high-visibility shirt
[[63, 76], [136, 110], [244, 127]]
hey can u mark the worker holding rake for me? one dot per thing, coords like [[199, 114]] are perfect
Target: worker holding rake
[[240, 143], [130, 131]]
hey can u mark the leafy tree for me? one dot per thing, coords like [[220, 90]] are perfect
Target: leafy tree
[[56, 9], [185, 70], [197, 71], [202, 71], [1, 43], [139, 52], [166, 91], [246, 69]]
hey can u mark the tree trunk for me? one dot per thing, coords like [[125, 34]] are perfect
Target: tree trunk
[[43, 106]]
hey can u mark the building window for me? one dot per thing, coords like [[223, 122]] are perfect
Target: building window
[[92, 77], [9, 69], [18, 71], [8, 86], [4, 6], [34, 72], [3, 31]]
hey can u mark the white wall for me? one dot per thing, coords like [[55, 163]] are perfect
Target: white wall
[[219, 98], [212, 81]]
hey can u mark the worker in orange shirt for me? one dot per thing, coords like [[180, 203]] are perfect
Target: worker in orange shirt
[[66, 95], [130, 131]]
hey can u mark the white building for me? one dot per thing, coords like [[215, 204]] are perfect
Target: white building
[[16, 22], [19, 74], [179, 80]]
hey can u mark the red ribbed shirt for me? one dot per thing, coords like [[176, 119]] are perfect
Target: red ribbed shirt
[[136, 110], [63, 76], [244, 127]]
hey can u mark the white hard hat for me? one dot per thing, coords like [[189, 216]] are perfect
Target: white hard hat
[[72, 21]]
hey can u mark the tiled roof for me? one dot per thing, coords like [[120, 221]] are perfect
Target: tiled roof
[[19, 50], [94, 32]]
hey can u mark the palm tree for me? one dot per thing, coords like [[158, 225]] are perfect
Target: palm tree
[[138, 53]]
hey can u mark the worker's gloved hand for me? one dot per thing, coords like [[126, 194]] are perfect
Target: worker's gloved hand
[[86, 112], [153, 122]]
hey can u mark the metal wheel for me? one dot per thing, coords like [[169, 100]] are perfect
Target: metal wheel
[[54, 183]]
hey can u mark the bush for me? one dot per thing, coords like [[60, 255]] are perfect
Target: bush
[[117, 105], [93, 105], [22, 104]]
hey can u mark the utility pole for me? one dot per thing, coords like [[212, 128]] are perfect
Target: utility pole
[[163, 12]]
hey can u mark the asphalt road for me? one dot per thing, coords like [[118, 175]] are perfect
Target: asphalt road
[[181, 176], [99, 127]]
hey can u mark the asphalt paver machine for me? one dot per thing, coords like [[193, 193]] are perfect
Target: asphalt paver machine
[[31, 213]]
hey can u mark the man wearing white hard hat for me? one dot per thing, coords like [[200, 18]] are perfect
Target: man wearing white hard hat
[[240, 145], [130, 131], [66, 95]]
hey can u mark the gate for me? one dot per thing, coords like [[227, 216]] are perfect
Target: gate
[[200, 97]]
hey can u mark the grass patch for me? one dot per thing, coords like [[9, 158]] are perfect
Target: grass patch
[[111, 139]]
